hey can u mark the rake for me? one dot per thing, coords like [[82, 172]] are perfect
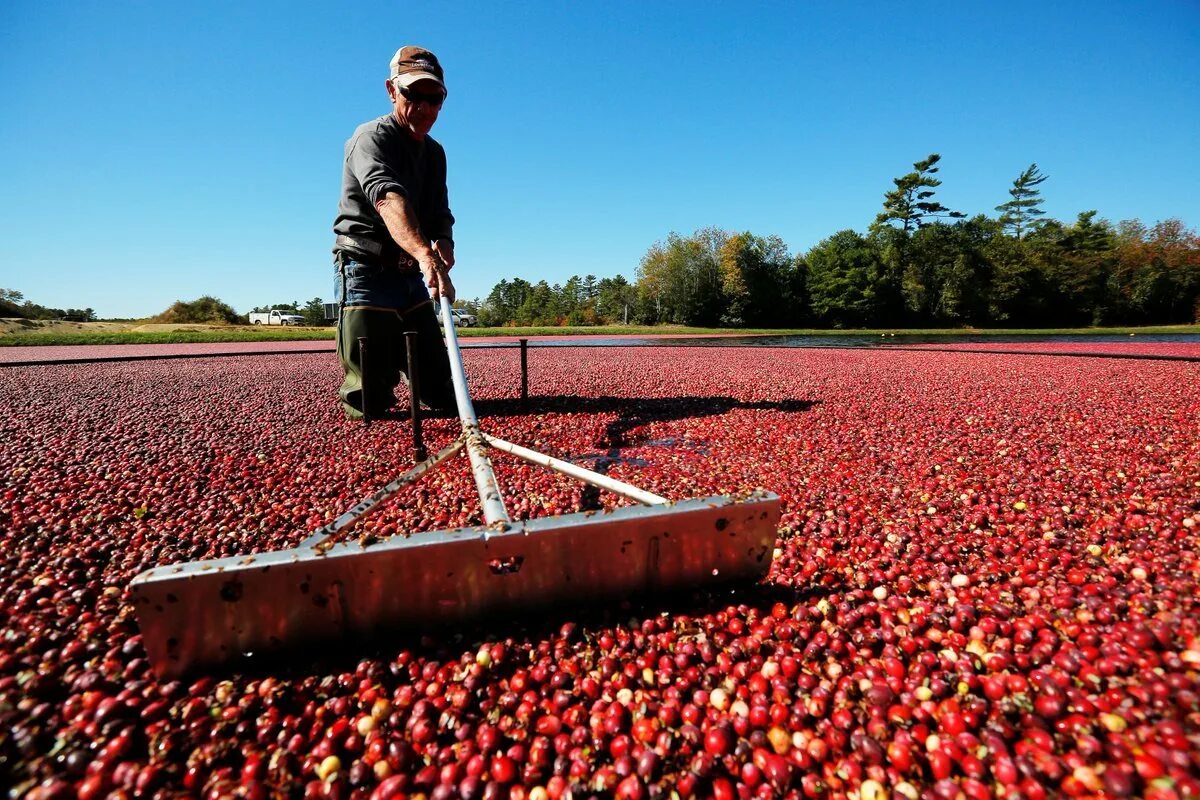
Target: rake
[[204, 613]]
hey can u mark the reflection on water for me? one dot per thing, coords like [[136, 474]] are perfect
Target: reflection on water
[[847, 340]]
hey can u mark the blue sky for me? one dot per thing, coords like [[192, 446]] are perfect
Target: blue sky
[[151, 152]]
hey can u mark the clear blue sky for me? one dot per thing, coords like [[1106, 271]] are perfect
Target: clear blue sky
[[151, 152]]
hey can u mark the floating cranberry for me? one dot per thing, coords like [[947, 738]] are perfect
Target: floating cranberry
[[1009, 570]]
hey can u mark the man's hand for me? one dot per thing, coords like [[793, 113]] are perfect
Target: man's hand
[[434, 262], [436, 278], [445, 251]]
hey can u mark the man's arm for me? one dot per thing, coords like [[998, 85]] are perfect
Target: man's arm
[[440, 222], [402, 224]]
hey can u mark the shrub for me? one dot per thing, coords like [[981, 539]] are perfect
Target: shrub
[[204, 310]]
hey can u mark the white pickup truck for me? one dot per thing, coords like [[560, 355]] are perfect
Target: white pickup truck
[[461, 318], [276, 317]]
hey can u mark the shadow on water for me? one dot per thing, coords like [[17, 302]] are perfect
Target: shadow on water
[[635, 412]]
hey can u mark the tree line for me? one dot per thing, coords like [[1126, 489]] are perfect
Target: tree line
[[202, 310], [14, 304], [918, 263], [579, 301]]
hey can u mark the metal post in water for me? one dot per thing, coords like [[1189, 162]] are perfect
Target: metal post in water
[[414, 393], [524, 372], [362, 371]]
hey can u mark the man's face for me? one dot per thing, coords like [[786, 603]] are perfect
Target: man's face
[[417, 106]]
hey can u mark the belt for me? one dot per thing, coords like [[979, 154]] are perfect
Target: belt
[[372, 252]]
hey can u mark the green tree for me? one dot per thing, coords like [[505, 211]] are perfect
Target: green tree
[[576, 301], [471, 306], [901, 293], [500, 307], [963, 278], [843, 274], [755, 280], [542, 306], [1031, 277], [1021, 212], [571, 297], [314, 312], [1011, 295], [892, 245], [927, 253], [590, 288], [1078, 271], [9, 298], [616, 299], [800, 312], [911, 203], [1157, 271], [657, 276], [293, 307], [679, 280], [734, 279]]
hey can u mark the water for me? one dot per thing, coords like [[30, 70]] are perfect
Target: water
[[846, 340]]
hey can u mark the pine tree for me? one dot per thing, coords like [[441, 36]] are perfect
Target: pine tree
[[1021, 213], [911, 201]]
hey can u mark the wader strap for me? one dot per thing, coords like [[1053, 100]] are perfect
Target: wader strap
[[397, 311], [369, 247], [384, 309]]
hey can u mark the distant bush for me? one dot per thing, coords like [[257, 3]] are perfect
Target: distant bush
[[206, 310]]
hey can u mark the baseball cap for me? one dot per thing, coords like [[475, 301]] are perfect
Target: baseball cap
[[412, 64]]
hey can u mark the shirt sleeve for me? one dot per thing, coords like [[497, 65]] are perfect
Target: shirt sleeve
[[374, 174], [439, 222]]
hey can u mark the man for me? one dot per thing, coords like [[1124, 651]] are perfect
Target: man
[[394, 243]]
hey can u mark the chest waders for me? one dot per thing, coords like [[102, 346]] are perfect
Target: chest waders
[[372, 377]]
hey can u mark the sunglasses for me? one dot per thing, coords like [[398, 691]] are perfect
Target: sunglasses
[[434, 99]]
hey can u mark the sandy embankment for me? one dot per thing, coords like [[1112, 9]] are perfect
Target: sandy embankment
[[11, 325]]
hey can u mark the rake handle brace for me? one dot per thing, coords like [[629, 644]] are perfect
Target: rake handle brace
[[370, 504], [575, 471], [362, 371]]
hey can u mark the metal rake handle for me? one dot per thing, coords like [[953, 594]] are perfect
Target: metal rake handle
[[494, 512]]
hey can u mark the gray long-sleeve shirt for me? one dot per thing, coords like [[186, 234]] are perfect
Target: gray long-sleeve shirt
[[382, 157]]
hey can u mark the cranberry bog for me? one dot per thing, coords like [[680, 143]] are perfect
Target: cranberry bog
[[984, 584]]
